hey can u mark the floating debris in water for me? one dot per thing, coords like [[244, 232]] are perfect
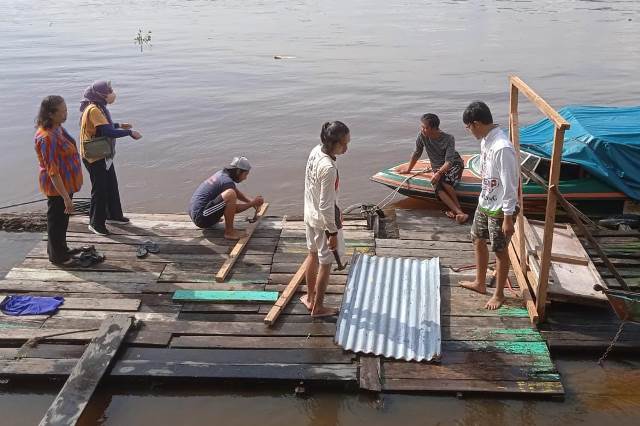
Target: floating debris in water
[[143, 39], [283, 57]]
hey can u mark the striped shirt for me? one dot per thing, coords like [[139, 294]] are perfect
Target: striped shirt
[[57, 155]]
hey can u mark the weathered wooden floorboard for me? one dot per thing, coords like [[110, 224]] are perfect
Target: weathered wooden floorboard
[[86, 374], [253, 342], [239, 356], [321, 372]]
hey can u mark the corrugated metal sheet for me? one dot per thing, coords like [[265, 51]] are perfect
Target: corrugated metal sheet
[[391, 307]]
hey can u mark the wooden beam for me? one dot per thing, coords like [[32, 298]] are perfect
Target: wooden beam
[[563, 258], [224, 296], [240, 245], [550, 220], [542, 105], [523, 284], [587, 234], [514, 133], [370, 373], [85, 376], [286, 295]]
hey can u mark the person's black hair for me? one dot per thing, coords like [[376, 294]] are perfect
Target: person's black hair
[[431, 120], [477, 111], [332, 133], [234, 173], [48, 106]]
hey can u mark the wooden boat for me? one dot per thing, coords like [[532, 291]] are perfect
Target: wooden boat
[[589, 194]]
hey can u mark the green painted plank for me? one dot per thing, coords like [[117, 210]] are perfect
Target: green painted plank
[[225, 295]]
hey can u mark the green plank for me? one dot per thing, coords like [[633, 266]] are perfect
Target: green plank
[[225, 295]]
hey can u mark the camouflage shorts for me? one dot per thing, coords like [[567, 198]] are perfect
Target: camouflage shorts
[[451, 176], [487, 227]]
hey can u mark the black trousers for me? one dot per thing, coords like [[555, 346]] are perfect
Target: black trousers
[[105, 198], [57, 224]]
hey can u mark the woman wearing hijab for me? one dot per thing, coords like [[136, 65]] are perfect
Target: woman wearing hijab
[[96, 122]]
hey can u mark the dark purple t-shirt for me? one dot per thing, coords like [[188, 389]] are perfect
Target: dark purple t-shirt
[[209, 190]]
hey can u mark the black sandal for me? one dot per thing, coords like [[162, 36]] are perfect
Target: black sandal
[[142, 252], [151, 246], [83, 249]]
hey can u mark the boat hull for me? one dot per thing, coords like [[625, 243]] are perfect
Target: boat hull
[[590, 195]]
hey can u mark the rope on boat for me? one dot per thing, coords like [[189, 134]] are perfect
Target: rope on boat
[[389, 198]]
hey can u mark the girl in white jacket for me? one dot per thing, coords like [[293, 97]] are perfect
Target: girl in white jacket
[[322, 217]]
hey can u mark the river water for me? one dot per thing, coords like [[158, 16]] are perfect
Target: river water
[[208, 88]]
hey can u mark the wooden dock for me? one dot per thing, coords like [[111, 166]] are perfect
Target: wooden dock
[[495, 352]]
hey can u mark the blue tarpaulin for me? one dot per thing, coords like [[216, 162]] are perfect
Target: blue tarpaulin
[[603, 140]]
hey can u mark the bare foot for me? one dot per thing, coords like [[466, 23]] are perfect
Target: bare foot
[[305, 301], [474, 286], [494, 303], [450, 214], [462, 218], [324, 312], [235, 235]]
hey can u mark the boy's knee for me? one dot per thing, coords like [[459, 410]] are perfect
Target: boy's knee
[[228, 195]]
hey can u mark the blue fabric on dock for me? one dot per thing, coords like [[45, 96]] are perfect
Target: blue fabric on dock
[[603, 140], [30, 305]]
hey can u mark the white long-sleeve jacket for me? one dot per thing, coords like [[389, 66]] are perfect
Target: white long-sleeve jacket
[[499, 171], [321, 191]]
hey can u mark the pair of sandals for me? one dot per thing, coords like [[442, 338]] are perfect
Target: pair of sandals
[[145, 248], [84, 257]]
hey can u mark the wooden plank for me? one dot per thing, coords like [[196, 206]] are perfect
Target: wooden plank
[[54, 351], [237, 250], [21, 286], [219, 308], [286, 295], [473, 386], [85, 376], [225, 296], [102, 304], [208, 328], [489, 372], [81, 276], [523, 283], [248, 317], [514, 135], [61, 334], [240, 356], [253, 342], [320, 372], [550, 218], [370, 377]]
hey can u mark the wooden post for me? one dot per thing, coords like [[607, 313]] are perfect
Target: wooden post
[[550, 220], [514, 131], [286, 295], [240, 245], [85, 376]]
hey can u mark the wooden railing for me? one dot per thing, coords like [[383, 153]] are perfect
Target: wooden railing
[[534, 288]]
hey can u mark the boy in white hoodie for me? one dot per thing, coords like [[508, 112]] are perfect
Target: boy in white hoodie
[[322, 217], [498, 201]]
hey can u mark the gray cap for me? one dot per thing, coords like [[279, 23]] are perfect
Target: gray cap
[[240, 163]]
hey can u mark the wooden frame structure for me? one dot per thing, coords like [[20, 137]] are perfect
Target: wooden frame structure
[[534, 285]]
